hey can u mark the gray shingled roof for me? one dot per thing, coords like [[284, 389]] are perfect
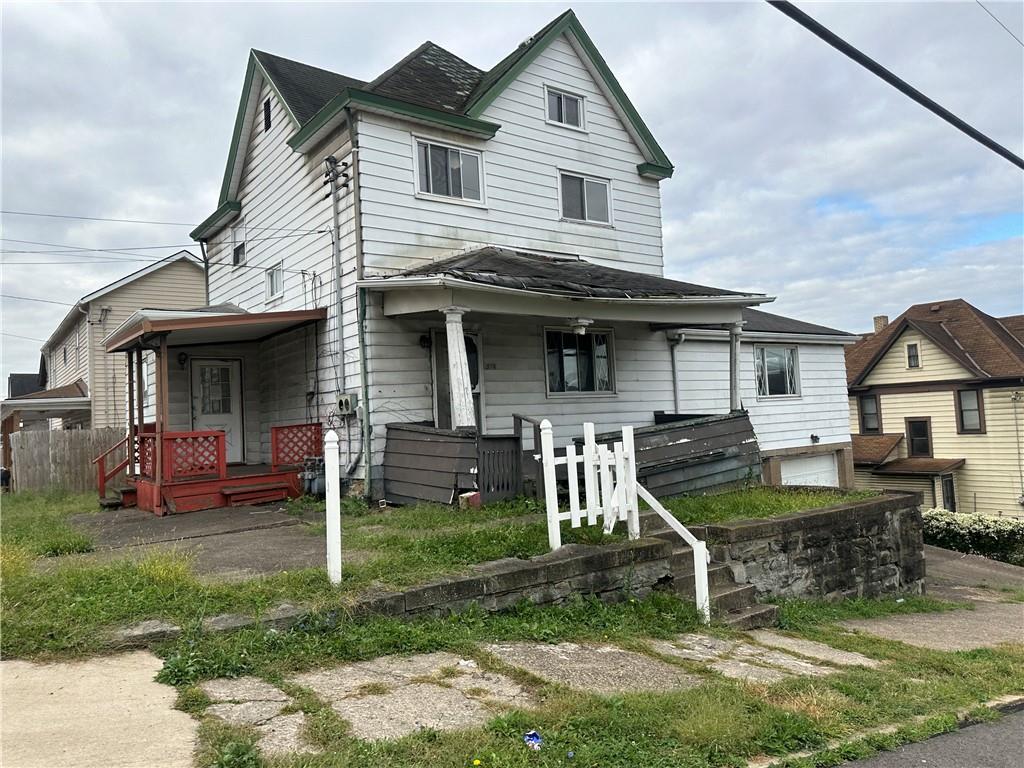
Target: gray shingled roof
[[431, 77], [19, 384], [305, 89], [569, 277], [764, 322]]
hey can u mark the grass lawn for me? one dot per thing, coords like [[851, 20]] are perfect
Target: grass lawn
[[719, 723], [71, 608], [756, 503]]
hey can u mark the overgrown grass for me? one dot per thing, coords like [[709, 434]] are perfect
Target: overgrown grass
[[800, 615], [758, 502], [37, 522]]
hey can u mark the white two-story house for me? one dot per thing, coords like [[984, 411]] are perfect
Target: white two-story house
[[453, 247]]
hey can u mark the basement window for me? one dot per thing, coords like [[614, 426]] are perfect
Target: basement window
[[266, 115], [579, 364], [238, 243], [450, 172], [275, 281]]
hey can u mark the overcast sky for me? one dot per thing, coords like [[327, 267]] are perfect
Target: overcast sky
[[797, 173]]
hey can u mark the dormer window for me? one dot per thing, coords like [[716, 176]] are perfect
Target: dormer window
[[448, 171], [565, 108]]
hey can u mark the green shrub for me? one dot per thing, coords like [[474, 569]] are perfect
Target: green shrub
[[1001, 538]]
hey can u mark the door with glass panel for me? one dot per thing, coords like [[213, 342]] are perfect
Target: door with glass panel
[[217, 402]]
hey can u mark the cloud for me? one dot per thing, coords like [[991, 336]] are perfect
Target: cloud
[[798, 173]]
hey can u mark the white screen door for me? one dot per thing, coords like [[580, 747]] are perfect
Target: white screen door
[[217, 401]]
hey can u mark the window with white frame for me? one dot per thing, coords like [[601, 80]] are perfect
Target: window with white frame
[[777, 371], [275, 280], [585, 198], [238, 243], [565, 108], [448, 171], [579, 363]]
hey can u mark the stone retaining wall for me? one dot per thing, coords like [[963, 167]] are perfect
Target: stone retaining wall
[[863, 548]]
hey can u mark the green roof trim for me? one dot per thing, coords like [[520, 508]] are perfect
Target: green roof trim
[[655, 171], [216, 220], [568, 23], [355, 97]]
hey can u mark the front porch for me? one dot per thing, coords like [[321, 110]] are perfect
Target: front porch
[[220, 416]]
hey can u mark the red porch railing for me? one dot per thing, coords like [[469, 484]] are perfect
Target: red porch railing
[[292, 444], [103, 476], [188, 454], [147, 454]]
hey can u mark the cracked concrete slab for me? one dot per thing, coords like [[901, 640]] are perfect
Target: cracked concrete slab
[[738, 659], [813, 650], [255, 703], [595, 668], [242, 689], [394, 696]]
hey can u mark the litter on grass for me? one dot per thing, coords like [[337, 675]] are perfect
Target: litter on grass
[[533, 740]]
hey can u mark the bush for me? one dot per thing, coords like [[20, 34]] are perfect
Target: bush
[[1001, 538]]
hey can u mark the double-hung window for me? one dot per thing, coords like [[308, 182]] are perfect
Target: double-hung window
[[913, 356], [579, 363], [565, 108], [585, 198], [870, 418], [776, 370], [275, 281], [919, 437], [969, 419], [238, 243], [449, 171]]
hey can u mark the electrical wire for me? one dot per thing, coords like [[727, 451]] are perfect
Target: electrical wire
[[33, 298], [132, 221], [1000, 23], [74, 249], [19, 336]]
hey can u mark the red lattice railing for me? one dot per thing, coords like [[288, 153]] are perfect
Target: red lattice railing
[[187, 454], [292, 444], [147, 454]]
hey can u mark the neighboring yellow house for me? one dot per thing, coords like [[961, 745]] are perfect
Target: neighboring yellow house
[[937, 406], [85, 387]]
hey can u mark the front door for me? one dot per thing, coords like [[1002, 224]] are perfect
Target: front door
[[442, 386], [217, 401]]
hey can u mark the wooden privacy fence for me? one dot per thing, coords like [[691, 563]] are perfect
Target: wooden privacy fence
[[610, 493], [44, 460]]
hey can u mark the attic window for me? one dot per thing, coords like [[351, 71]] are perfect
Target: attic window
[[565, 108], [238, 243], [913, 356], [266, 115]]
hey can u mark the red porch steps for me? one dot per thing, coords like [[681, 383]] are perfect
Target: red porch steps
[[259, 493]]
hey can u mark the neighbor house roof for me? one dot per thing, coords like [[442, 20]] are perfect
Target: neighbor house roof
[[873, 449], [984, 345], [74, 389], [19, 384], [562, 276], [918, 466]]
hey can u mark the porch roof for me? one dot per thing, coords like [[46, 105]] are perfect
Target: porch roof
[[55, 403], [516, 282], [223, 324]]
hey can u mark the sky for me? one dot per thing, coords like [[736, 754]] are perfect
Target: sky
[[797, 173]]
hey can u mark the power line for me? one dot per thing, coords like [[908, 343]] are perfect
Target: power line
[[896, 82], [132, 221], [1000, 23], [19, 336], [33, 298], [64, 249]]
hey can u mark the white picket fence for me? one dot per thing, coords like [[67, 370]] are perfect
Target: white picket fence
[[610, 493]]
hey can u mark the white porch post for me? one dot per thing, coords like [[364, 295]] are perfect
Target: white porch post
[[463, 412], [734, 366]]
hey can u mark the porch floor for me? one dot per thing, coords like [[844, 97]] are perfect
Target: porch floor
[[244, 484]]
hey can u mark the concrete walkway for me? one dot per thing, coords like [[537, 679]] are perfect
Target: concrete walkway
[[105, 712]]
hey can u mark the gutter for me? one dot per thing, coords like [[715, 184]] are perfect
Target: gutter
[[713, 334]]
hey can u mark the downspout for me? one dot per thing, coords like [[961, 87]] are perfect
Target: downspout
[[206, 272], [675, 338]]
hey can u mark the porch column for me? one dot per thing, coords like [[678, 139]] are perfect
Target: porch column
[[161, 421], [734, 366], [140, 416], [131, 412], [463, 413]]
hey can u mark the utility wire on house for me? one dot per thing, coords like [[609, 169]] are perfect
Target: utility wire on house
[[74, 249], [33, 298], [896, 82], [133, 221], [19, 336], [1000, 23]]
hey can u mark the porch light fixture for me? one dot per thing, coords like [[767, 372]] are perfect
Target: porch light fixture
[[580, 324], [182, 360]]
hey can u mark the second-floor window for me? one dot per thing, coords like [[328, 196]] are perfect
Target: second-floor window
[[870, 419], [275, 281], [585, 198], [776, 369], [919, 438], [238, 243], [913, 356], [565, 108], [448, 171], [968, 411]]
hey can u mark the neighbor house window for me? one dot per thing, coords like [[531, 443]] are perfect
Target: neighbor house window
[[266, 115], [579, 363], [565, 108], [449, 171], [919, 438], [776, 370], [275, 281], [586, 199], [948, 493], [64, 353], [238, 243], [870, 418], [969, 414], [913, 356]]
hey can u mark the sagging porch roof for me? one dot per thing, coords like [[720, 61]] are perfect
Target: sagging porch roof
[[502, 280], [50, 403], [219, 324]]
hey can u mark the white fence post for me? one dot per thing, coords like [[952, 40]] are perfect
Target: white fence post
[[628, 481], [332, 477], [547, 450], [700, 575]]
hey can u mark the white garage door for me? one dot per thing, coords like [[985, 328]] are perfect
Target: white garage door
[[811, 470]]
